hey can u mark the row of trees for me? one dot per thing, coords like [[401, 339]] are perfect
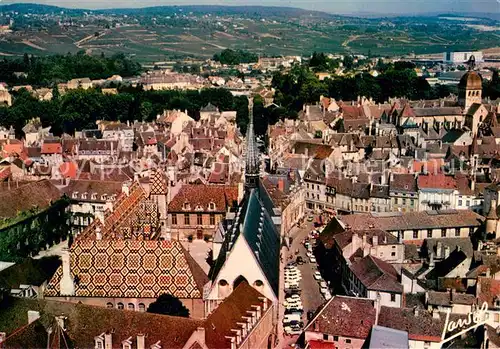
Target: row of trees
[[46, 70], [79, 109], [301, 86]]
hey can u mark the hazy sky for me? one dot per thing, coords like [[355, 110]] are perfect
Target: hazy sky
[[336, 6]]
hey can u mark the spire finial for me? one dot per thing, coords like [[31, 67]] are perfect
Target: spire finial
[[252, 167]]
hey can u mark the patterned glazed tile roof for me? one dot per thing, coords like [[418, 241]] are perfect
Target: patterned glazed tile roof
[[158, 183], [130, 269]]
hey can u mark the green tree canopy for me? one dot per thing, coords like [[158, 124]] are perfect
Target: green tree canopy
[[167, 304]]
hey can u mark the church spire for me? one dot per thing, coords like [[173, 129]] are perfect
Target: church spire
[[252, 165]]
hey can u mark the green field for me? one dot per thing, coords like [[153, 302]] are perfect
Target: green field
[[202, 36]]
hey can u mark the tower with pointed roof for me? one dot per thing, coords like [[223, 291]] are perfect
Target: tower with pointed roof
[[252, 165]]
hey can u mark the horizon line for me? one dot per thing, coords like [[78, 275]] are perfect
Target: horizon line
[[341, 13]]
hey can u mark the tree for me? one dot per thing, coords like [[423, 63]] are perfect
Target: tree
[[167, 304]]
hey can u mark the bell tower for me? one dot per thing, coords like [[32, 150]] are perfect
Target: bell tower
[[470, 88]]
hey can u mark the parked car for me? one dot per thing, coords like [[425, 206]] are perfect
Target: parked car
[[323, 290], [292, 303], [292, 279], [300, 260], [292, 317], [323, 284], [310, 218], [317, 275], [292, 331], [327, 295], [295, 296], [293, 311], [312, 259], [309, 254]]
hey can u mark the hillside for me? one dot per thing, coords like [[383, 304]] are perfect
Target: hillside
[[172, 32]]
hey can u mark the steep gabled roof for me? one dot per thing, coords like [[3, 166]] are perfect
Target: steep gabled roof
[[255, 225]]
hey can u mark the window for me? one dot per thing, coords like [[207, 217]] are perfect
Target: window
[[186, 219], [335, 338], [468, 203], [396, 201], [412, 202], [415, 234], [199, 219], [109, 305], [496, 317], [126, 346], [211, 206], [404, 201], [457, 231], [99, 344], [348, 341], [325, 337], [142, 307], [393, 297], [443, 233], [212, 219], [307, 185], [393, 254], [427, 344], [459, 202], [131, 306], [174, 219], [119, 305], [429, 233]]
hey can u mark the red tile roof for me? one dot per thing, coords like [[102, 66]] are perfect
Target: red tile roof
[[203, 195], [225, 318], [51, 148], [436, 181], [69, 170], [38, 194], [487, 290], [431, 166], [376, 274], [321, 345], [345, 316]]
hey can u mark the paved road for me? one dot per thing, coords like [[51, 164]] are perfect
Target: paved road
[[310, 295]]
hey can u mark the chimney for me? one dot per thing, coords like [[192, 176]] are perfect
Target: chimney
[[67, 285], [140, 341], [488, 273], [108, 342], [435, 314], [98, 234], [375, 240], [446, 251], [281, 184], [364, 240], [439, 249], [431, 260], [33, 316], [264, 303], [377, 308]]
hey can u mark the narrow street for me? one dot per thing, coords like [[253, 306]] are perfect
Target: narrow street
[[310, 294]]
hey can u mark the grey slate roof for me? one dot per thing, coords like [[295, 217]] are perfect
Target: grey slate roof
[[255, 225]]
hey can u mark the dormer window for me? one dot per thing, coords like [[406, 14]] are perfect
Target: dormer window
[[104, 197], [75, 195], [198, 208], [94, 196], [84, 196], [211, 206], [497, 302], [99, 341], [127, 343], [186, 206]]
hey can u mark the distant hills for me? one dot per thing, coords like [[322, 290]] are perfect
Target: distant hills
[[267, 11], [264, 11]]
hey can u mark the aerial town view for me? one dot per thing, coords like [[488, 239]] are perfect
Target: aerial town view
[[218, 174]]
